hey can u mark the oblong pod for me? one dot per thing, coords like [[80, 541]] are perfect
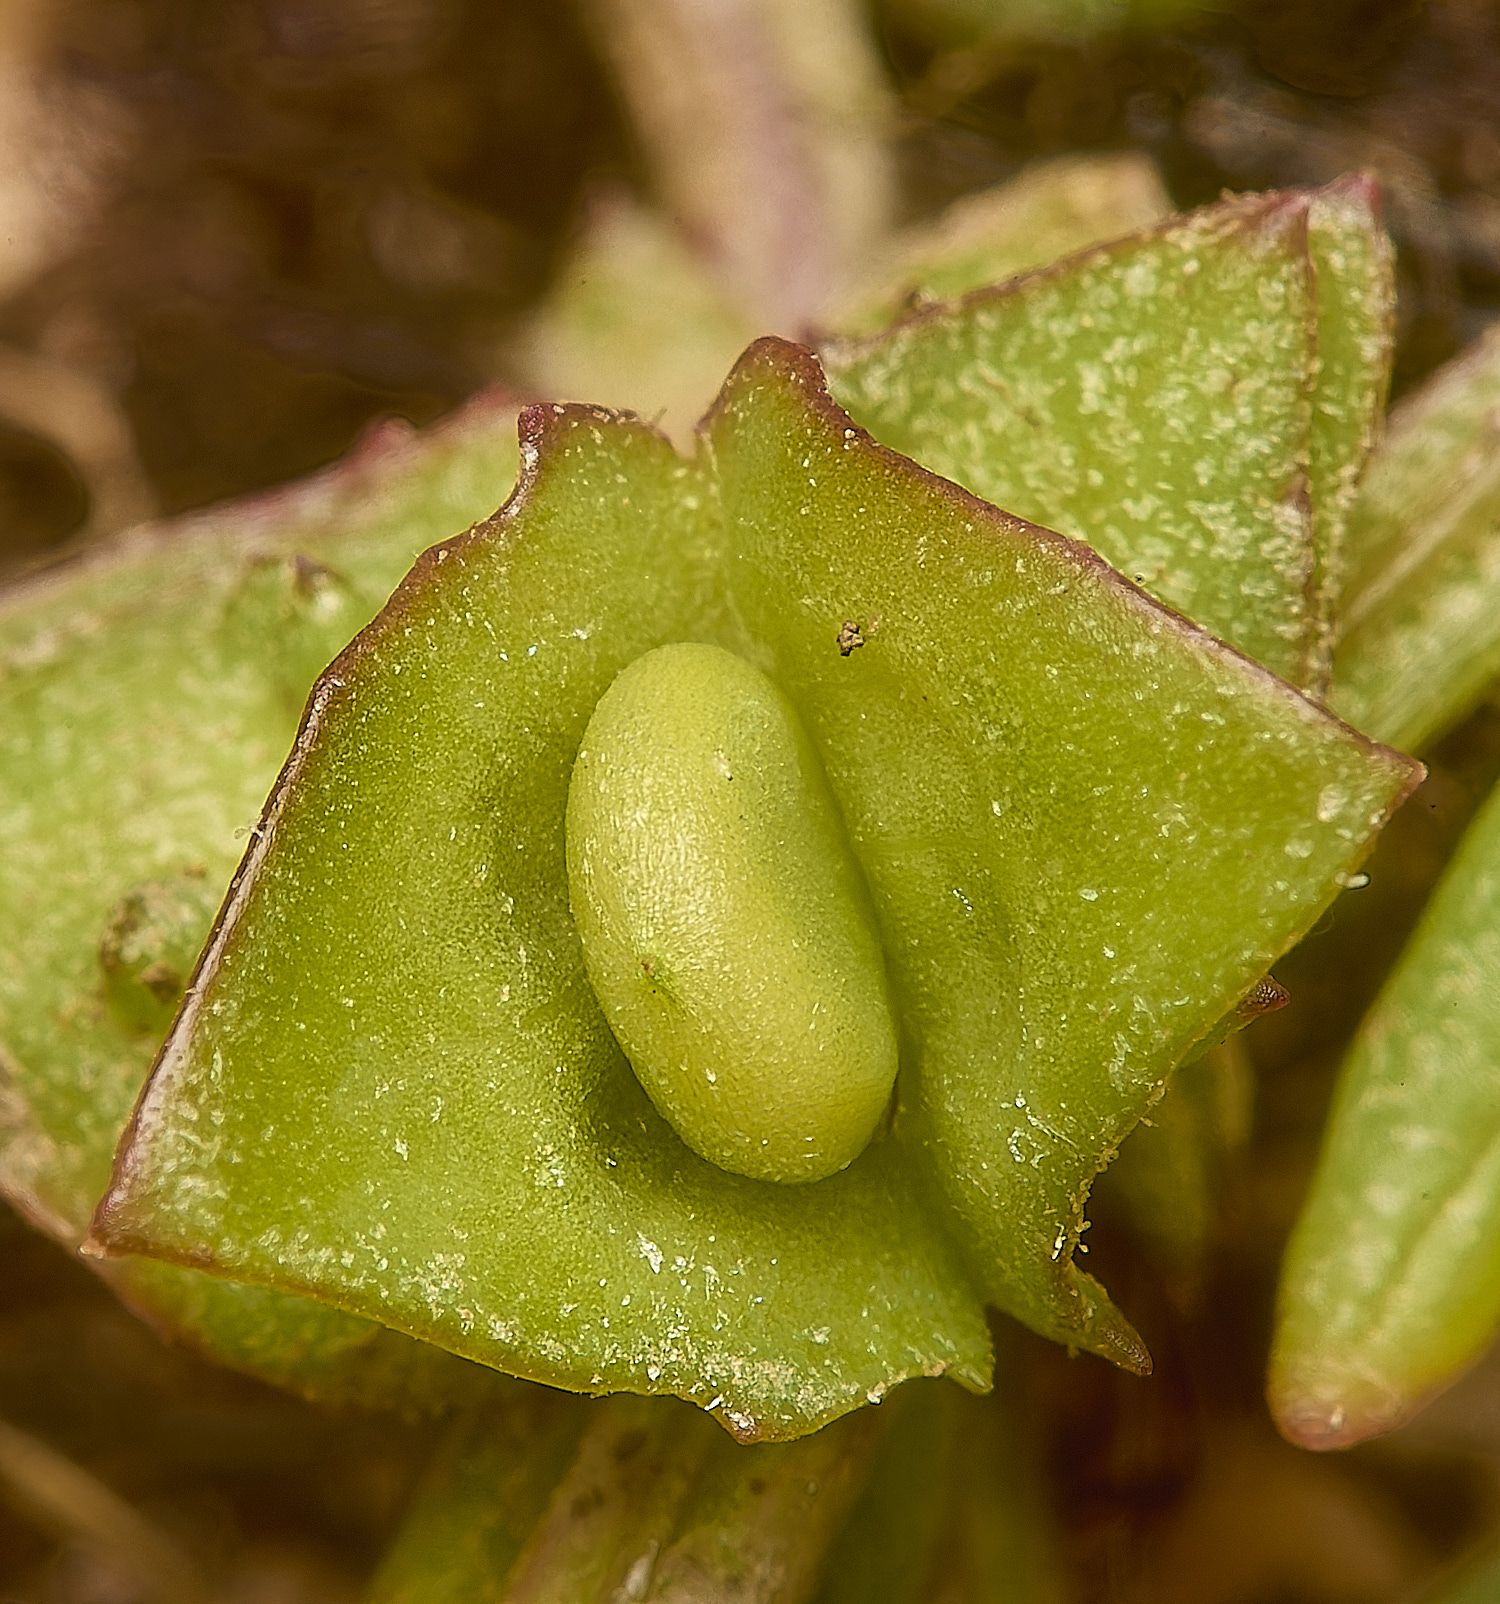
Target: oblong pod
[[725, 925]]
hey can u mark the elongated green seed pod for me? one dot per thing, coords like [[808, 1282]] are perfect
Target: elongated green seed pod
[[726, 928]]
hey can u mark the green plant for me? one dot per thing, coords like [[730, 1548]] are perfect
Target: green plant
[[391, 1101], [750, 997]]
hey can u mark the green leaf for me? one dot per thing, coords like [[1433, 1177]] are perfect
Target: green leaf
[[148, 695], [625, 1499], [954, 1509], [548, 1499], [305, 1345], [1391, 1285], [1086, 826], [761, 1519], [488, 1489], [759, 1022], [1019, 750], [1356, 291], [1151, 397], [1421, 635], [1048, 211], [405, 953]]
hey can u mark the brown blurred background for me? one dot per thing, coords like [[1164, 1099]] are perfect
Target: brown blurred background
[[233, 234]]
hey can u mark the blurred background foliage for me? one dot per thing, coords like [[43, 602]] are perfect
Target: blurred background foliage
[[233, 235]]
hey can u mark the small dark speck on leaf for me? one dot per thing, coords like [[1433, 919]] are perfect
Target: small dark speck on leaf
[[850, 636], [1264, 997]]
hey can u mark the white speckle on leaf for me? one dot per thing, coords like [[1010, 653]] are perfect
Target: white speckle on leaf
[[1332, 800]]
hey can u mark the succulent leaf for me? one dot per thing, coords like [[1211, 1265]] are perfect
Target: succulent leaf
[[1420, 642], [726, 929], [1356, 315], [1087, 827], [559, 1502], [1152, 397], [1391, 1285], [1050, 210], [150, 693]]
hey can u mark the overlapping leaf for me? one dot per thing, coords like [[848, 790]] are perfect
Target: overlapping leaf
[[1049, 210], [625, 1499], [1389, 1289], [1421, 637], [149, 697], [1356, 312], [1181, 441], [1088, 828], [553, 1501], [1019, 825]]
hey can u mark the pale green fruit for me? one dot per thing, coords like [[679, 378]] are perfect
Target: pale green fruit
[[725, 925]]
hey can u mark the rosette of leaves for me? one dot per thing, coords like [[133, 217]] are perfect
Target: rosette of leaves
[[1087, 827]]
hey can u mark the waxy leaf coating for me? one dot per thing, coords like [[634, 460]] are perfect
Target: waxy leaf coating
[[1391, 1285], [1057, 791], [1087, 828], [725, 927], [441, 1128], [1049, 210], [148, 694], [1196, 401], [1356, 316], [1421, 634], [1152, 397]]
